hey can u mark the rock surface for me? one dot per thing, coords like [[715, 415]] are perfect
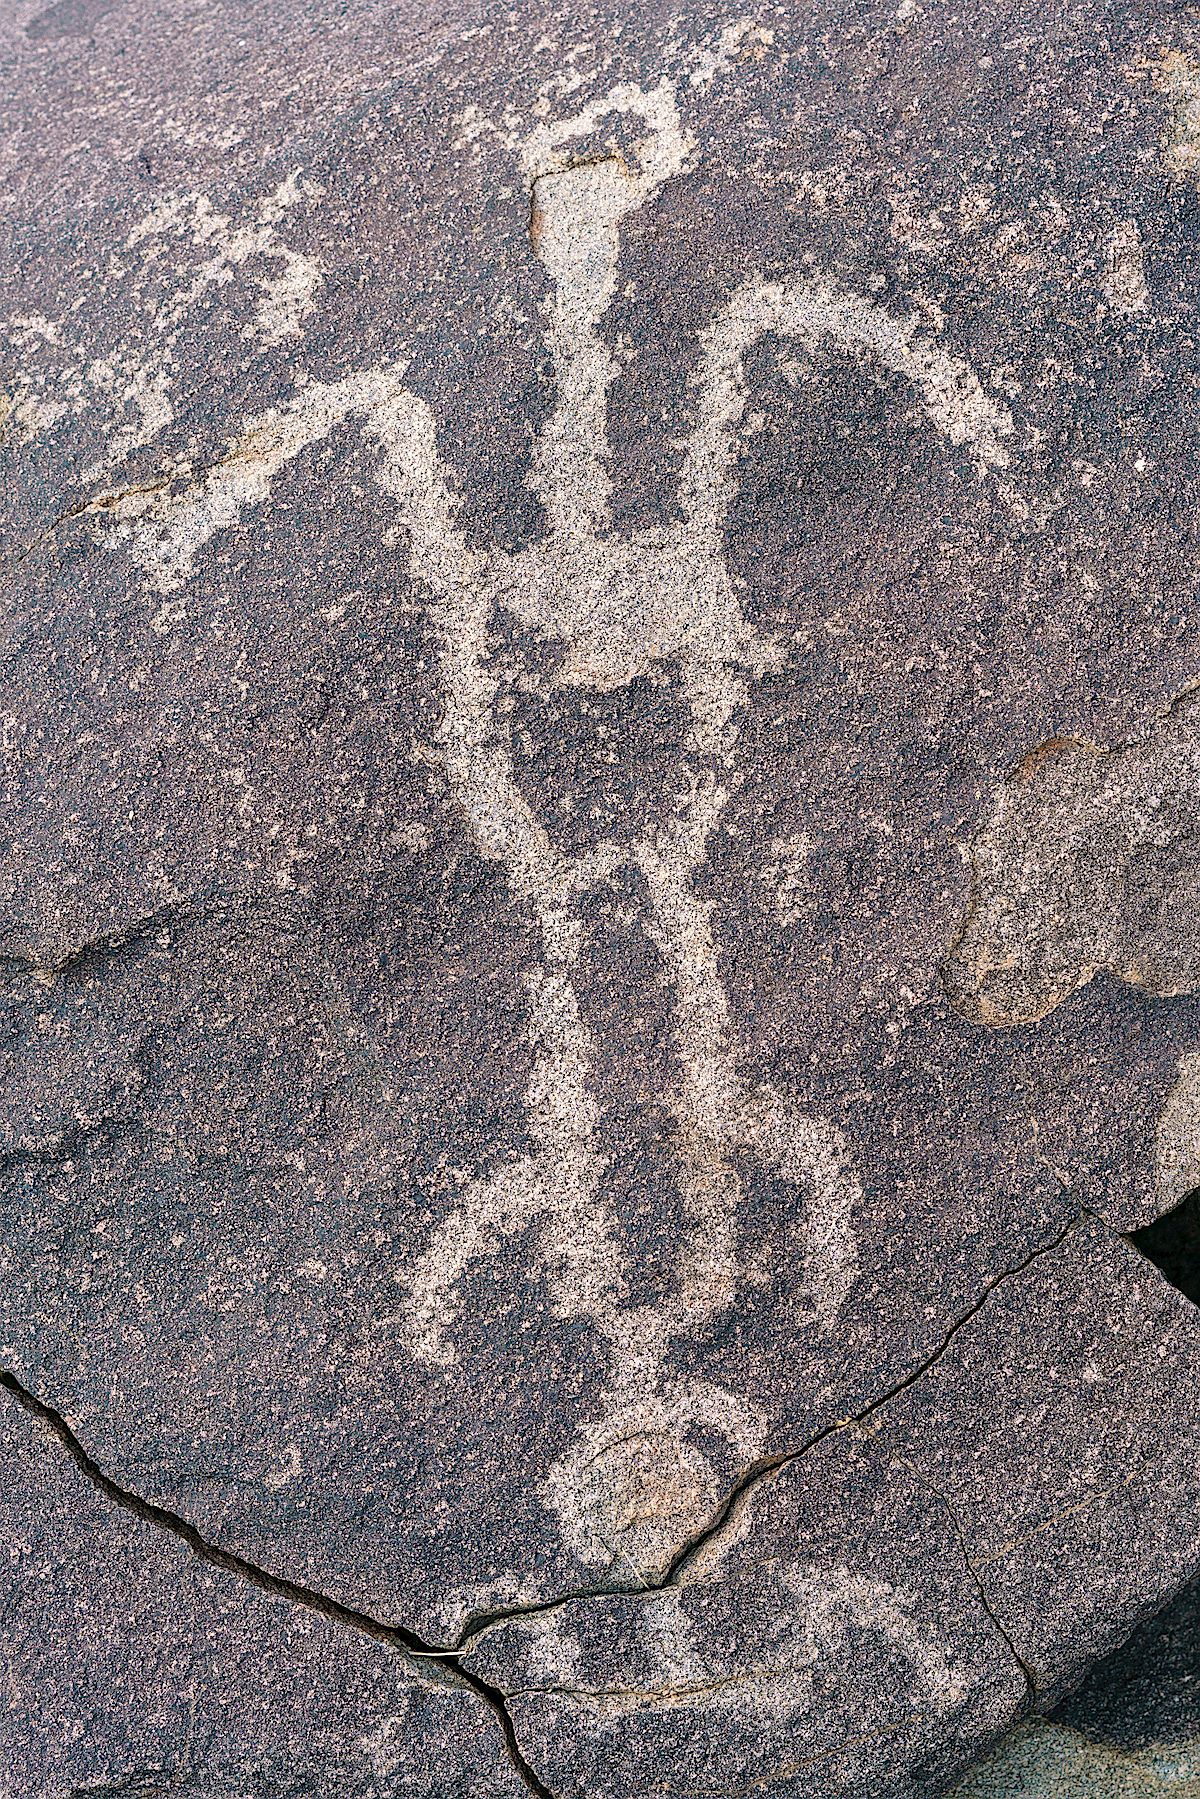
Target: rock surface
[[1131, 1732], [131, 1668], [597, 926]]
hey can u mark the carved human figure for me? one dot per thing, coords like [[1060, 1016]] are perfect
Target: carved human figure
[[636, 1488]]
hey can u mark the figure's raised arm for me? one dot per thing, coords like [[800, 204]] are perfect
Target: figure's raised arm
[[164, 527], [950, 393]]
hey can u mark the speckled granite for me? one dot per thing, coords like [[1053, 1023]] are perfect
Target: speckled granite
[[1045, 1760], [1132, 1731]]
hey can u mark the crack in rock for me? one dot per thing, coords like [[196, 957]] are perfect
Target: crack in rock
[[767, 1468], [985, 1602], [426, 1663]]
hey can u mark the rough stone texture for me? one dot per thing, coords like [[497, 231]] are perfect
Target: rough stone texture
[[1045, 1760], [1089, 863], [131, 1669], [885, 1596], [1131, 1732], [597, 917]]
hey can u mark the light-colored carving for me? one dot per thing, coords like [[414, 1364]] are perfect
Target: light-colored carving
[[787, 876], [741, 41], [285, 294], [817, 1612], [191, 250], [635, 1485], [164, 529]]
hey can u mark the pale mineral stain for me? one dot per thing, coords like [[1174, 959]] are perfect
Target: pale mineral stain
[[1087, 862], [1177, 1136], [1123, 282], [1043, 1759], [1178, 78]]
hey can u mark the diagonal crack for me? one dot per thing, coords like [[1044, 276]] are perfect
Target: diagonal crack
[[446, 1662], [985, 1602], [111, 499], [406, 1642], [767, 1467]]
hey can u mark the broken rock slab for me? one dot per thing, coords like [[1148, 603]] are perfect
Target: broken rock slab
[[599, 829], [133, 1668], [875, 1603], [1132, 1731]]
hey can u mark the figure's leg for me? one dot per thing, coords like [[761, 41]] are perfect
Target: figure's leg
[[812, 1155], [706, 1099], [715, 1116], [557, 1186]]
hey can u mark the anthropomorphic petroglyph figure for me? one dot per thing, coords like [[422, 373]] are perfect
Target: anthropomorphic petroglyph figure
[[637, 1486]]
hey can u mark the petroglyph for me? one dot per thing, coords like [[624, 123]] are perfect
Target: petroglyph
[[805, 1617], [743, 40], [189, 249], [636, 1485], [787, 876], [1090, 860], [286, 294], [164, 530]]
